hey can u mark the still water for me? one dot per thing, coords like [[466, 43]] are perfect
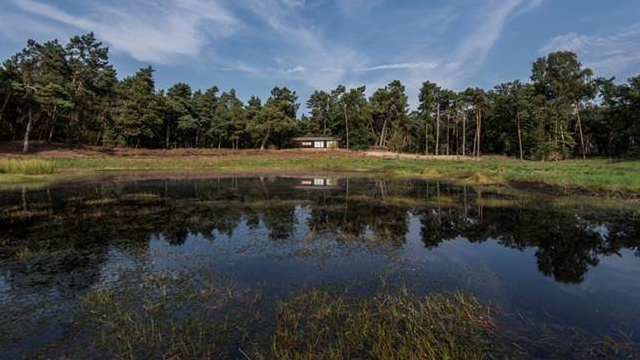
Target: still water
[[560, 268]]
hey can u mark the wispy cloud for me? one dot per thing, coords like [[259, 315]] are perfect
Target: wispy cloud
[[404, 65], [608, 54], [318, 62], [488, 25], [311, 44], [351, 7], [466, 56], [147, 31]]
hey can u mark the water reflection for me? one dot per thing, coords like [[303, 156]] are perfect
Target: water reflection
[[69, 230], [568, 260]]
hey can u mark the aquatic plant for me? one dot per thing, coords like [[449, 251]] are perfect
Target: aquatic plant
[[321, 324]]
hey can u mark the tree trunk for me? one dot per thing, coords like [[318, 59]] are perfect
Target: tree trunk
[[383, 133], [168, 139], [99, 135], [54, 115], [456, 136], [27, 132], [479, 129], [437, 129], [265, 139], [584, 150], [448, 122], [476, 148], [519, 135], [426, 137], [53, 125], [475, 142], [346, 123], [4, 107], [464, 134], [324, 125]]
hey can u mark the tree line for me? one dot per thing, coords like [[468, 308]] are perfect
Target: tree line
[[70, 93]]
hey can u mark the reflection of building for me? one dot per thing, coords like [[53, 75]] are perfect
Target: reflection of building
[[315, 142], [317, 183]]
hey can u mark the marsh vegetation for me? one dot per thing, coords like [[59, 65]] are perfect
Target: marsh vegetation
[[600, 177]]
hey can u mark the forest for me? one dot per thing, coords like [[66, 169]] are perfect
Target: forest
[[70, 93]]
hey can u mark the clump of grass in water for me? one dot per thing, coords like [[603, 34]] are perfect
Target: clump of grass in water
[[27, 166], [23, 253], [165, 315], [319, 324]]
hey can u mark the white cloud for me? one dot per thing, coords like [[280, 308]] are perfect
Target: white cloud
[[318, 62], [569, 42], [296, 69], [405, 65], [530, 5], [351, 7], [323, 64], [147, 31], [292, 44], [489, 24], [607, 54], [468, 54]]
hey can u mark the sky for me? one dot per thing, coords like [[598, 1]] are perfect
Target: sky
[[254, 45]]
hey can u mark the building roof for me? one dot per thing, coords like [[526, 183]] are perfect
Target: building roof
[[314, 138]]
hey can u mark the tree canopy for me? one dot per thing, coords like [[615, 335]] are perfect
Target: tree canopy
[[70, 94]]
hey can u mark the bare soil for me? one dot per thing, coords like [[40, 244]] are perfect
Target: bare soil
[[56, 150]]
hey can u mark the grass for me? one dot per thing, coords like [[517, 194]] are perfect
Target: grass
[[314, 324], [27, 167], [164, 316], [592, 175], [319, 324], [197, 315]]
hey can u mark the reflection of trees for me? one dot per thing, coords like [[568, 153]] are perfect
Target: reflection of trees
[[567, 244], [72, 229]]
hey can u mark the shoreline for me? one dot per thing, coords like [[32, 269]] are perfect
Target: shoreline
[[597, 177]]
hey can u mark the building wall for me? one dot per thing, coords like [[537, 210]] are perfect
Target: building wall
[[322, 144]]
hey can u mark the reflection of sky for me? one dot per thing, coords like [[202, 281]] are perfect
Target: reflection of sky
[[4, 286], [505, 276], [510, 277], [253, 257], [250, 257]]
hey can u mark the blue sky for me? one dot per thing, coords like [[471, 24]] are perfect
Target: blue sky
[[253, 45]]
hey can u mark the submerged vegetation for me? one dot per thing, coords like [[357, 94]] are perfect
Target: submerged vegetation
[[166, 315], [172, 315], [169, 316], [320, 324], [187, 318]]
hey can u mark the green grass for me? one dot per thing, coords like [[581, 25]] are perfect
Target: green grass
[[199, 315], [596, 175], [164, 316], [27, 166], [319, 324], [314, 324]]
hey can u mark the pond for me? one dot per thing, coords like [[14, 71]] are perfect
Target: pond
[[232, 267]]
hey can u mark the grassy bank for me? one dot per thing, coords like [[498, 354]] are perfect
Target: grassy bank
[[596, 175]]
